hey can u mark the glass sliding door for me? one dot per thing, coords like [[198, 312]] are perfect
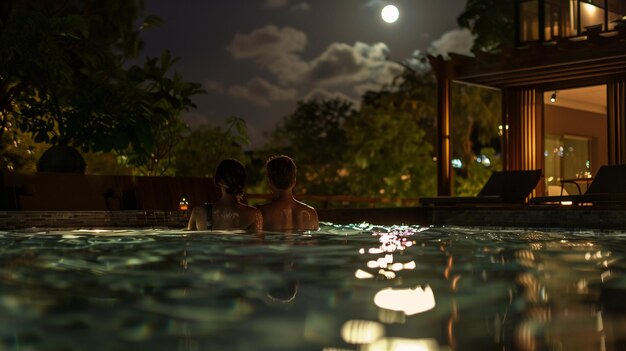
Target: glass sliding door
[[566, 157]]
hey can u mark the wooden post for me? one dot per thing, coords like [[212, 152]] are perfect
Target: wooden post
[[444, 169]]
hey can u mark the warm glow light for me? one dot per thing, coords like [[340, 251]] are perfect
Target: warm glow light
[[361, 331], [387, 274], [402, 344], [590, 9], [410, 265], [361, 274], [409, 301], [390, 14]]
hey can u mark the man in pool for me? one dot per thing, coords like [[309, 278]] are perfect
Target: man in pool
[[228, 212], [284, 212]]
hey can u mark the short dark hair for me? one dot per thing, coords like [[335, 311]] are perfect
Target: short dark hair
[[231, 175], [281, 171]]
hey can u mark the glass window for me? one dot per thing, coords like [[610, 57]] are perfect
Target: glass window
[[617, 10], [552, 23], [529, 21], [591, 14], [569, 13]]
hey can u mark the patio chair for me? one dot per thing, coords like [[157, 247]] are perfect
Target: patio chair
[[502, 187], [607, 188]]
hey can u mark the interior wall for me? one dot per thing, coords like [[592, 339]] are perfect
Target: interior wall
[[561, 121]]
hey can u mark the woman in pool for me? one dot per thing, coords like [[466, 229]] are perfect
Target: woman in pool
[[228, 212]]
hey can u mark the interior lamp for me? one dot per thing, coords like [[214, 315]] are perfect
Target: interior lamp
[[553, 97]]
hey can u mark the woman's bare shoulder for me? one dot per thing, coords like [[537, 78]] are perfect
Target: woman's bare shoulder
[[249, 209]]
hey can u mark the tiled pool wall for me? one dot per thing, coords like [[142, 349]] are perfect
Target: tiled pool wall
[[91, 219], [571, 217], [579, 217]]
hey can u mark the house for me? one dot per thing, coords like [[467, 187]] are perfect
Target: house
[[563, 90]]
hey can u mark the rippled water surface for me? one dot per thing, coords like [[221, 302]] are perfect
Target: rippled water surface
[[357, 287]]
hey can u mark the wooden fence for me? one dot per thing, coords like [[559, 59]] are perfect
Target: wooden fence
[[78, 192]]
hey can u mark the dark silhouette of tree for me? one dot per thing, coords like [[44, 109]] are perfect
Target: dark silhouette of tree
[[492, 23], [63, 78]]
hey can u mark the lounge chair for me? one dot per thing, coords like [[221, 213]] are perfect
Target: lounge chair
[[502, 187], [608, 188]]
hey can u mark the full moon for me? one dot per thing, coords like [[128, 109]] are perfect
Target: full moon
[[390, 14]]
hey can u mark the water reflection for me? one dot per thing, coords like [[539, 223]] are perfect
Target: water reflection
[[554, 295], [362, 331], [409, 301], [366, 288]]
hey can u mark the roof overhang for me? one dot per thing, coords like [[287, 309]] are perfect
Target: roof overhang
[[597, 56]]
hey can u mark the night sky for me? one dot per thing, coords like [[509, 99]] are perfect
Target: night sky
[[256, 58]]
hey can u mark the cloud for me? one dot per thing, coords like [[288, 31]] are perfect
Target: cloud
[[341, 67], [418, 62], [341, 63], [275, 49], [266, 41], [458, 41], [323, 94], [375, 3], [262, 92], [302, 6], [288, 68], [275, 3], [213, 86]]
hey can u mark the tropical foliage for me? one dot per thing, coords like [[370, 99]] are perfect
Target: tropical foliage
[[491, 21], [314, 134], [60, 70], [63, 80], [386, 147], [202, 149], [162, 100]]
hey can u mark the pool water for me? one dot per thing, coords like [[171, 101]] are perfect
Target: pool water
[[358, 287]]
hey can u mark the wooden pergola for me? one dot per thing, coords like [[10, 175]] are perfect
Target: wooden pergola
[[523, 74]]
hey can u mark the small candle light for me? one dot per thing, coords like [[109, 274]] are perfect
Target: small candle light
[[183, 205]]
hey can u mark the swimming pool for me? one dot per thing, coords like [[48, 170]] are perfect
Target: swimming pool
[[358, 287]]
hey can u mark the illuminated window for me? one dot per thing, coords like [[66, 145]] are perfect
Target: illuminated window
[[529, 20], [546, 20]]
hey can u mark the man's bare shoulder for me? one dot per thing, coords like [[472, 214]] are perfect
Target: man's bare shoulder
[[301, 206], [306, 216]]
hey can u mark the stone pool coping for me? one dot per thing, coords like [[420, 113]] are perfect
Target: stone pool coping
[[574, 217]]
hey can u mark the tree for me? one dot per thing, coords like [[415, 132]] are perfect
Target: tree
[[390, 152], [315, 137], [492, 21], [475, 116], [162, 102], [479, 170], [62, 77], [392, 137], [202, 149], [18, 151], [56, 53]]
